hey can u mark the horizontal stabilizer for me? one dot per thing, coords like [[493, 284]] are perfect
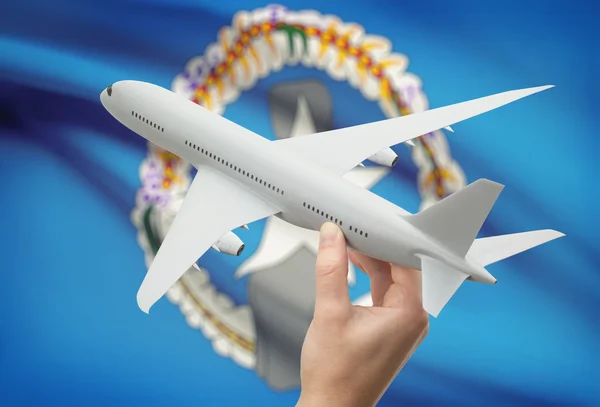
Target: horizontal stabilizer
[[440, 282], [489, 250], [455, 220]]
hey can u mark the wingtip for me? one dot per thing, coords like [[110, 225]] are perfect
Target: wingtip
[[142, 304], [144, 309], [540, 88], [522, 93], [555, 234]]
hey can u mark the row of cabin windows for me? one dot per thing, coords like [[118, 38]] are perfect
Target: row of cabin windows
[[150, 123], [355, 230], [234, 167], [332, 219]]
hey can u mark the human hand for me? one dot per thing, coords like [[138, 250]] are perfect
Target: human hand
[[352, 353]]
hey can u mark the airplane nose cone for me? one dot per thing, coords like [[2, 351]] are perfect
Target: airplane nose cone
[[105, 95]]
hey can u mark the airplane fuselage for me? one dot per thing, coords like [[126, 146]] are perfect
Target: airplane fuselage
[[370, 224]]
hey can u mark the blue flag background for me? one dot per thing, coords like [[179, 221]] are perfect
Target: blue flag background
[[71, 333]]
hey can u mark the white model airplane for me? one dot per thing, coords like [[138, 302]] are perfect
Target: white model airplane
[[243, 177]]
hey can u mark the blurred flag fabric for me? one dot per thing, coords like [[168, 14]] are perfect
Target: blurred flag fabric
[[71, 332]]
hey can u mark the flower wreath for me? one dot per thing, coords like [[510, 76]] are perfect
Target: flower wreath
[[258, 43]]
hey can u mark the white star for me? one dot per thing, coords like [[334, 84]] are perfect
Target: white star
[[281, 239]]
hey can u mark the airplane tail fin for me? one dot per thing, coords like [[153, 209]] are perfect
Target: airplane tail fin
[[456, 219], [490, 250], [454, 222]]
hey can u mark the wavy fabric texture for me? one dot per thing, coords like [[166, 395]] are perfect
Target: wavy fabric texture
[[71, 332]]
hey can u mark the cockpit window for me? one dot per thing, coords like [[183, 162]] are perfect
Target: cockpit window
[[109, 90]]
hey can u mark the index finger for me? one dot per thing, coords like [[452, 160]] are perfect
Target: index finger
[[332, 294]]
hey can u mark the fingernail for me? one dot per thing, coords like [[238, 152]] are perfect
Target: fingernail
[[329, 233]]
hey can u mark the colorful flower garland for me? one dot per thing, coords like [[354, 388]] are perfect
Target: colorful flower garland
[[258, 43]]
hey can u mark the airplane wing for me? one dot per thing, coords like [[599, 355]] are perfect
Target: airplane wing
[[214, 205], [343, 149]]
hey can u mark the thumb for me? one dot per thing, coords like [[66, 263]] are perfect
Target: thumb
[[332, 272]]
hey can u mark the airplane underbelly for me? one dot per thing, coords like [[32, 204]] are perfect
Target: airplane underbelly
[[387, 243]]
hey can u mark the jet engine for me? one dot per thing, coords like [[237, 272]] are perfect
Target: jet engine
[[385, 157], [230, 244]]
